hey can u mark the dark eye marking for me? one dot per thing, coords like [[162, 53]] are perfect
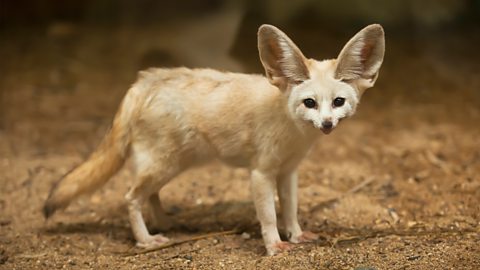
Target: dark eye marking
[[309, 103], [338, 102]]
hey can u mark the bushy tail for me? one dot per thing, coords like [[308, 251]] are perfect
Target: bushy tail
[[102, 164]]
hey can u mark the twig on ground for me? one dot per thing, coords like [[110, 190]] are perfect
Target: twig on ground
[[375, 234], [353, 190], [178, 242], [360, 186], [436, 161], [31, 256]]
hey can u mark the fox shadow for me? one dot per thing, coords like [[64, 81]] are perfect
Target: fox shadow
[[198, 219], [203, 219]]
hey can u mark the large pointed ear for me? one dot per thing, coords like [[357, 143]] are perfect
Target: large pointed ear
[[360, 60], [284, 63]]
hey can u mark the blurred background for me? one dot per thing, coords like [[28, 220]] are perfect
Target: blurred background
[[65, 66], [66, 46]]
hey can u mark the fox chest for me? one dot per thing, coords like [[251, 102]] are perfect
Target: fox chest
[[243, 149]]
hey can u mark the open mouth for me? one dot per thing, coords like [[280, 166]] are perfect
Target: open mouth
[[326, 131]]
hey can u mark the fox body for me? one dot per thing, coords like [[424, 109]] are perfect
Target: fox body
[[173, 119]]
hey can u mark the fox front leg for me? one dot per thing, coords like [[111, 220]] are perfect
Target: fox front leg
[[287, 185], [263, 191]]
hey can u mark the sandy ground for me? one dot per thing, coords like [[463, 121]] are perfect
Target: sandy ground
[[395, 187]]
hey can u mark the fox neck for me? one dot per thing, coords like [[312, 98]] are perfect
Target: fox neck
[[307, 131]]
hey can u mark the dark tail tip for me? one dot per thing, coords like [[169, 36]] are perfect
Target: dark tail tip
[[50, 206], [49, 209]]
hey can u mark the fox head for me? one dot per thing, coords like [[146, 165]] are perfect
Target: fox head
[[322, 93]]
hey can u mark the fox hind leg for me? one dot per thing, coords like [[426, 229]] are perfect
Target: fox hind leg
[[152, 174], [135, 199]]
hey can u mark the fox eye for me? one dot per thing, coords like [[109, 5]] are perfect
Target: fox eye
[[309, 103], [338, 102]]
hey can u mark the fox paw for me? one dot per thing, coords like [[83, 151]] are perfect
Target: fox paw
[[153, 241], [304, 237], [278, 247]]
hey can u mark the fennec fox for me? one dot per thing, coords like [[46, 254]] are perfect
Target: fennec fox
[[173, 119]]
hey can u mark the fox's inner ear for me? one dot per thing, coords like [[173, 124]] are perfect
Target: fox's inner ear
[[284, 63], [360, 60]]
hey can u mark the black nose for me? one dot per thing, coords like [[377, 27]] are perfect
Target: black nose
[[327, 124]]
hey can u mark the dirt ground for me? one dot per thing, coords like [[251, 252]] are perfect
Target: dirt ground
[[395, 187]]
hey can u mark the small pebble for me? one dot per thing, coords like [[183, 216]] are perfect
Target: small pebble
[[414, 257], [245, 235]]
